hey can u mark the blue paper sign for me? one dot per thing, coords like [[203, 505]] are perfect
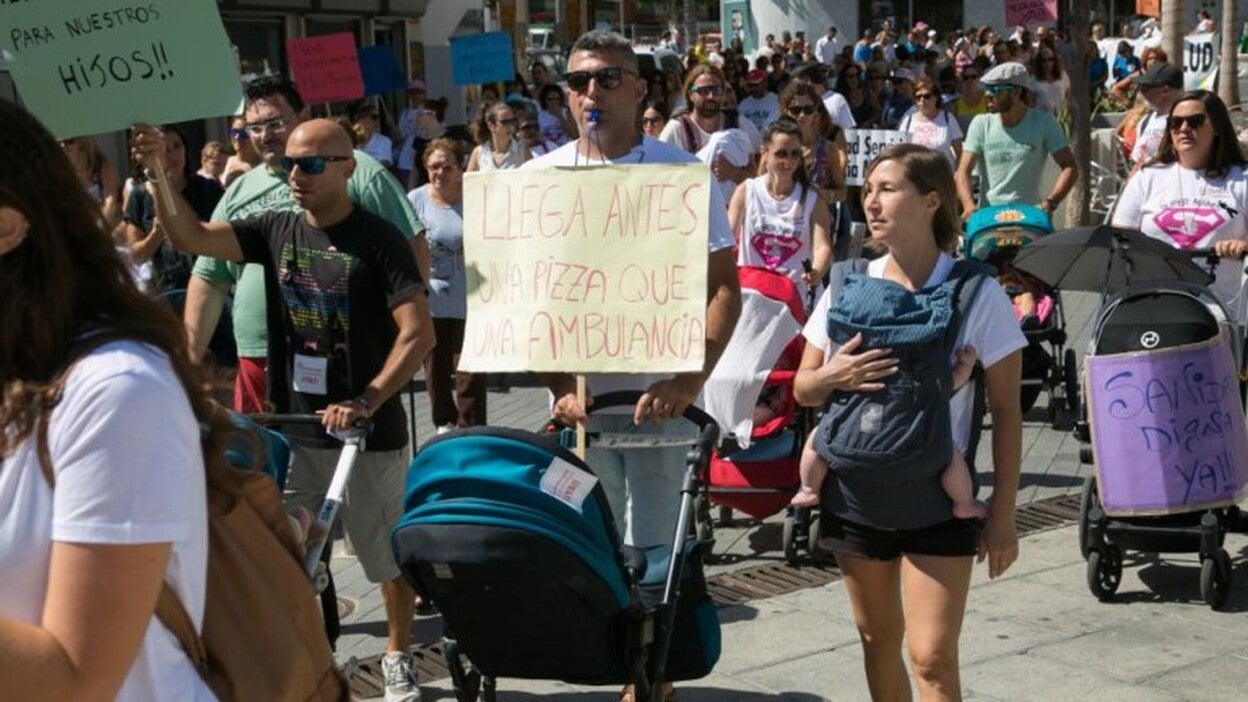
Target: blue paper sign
[[381, 70], [482, 58]]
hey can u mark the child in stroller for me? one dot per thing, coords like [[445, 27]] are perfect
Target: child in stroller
[[955, 479]]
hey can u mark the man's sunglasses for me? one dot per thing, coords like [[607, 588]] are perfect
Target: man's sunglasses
[[1195, 121], [240, 134], [705, 90], [311, 165], [998, 89], [607, 78], [802, 110]]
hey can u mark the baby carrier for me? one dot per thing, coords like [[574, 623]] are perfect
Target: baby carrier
[[886, 449]]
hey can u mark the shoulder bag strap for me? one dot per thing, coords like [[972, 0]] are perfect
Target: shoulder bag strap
[[173, 615], [691, 138]]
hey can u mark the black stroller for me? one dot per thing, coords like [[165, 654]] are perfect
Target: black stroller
[[1162, 417], [511, 536]]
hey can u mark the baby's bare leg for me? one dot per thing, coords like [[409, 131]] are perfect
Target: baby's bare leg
[[813, 471], [956, 480], [963, 367]]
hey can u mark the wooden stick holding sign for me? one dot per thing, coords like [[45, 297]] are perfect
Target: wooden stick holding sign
[[580, 426]]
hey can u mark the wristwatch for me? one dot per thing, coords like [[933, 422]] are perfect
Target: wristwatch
[[364, 403]]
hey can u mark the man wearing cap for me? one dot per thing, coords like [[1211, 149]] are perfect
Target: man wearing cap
[[900, 99], [828, 46], [1013, 140], [760, 106], [1160, 85]]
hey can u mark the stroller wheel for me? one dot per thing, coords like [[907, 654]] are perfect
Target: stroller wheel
[[1070, 374], [1104, 571], [790, 539], [1215, 579]]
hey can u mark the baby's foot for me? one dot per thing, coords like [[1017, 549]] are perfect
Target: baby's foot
[[806, 497], [970, 509]]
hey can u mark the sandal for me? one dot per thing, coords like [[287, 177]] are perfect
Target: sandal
[[666, 689]]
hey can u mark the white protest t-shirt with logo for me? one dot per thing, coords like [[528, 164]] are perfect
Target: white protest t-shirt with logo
[[1183, 208], [938, 134], [775, 233], [760, 111], [1148, 136], [719, 236]]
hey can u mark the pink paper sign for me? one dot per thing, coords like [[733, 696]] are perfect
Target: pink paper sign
[[326, 68], [1168, 431], [1030, 12]]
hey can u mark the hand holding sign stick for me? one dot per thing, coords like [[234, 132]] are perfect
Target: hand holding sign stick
[[148, 149]]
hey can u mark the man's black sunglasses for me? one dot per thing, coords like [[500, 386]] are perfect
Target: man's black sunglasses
[[312, 165], [607, 78]]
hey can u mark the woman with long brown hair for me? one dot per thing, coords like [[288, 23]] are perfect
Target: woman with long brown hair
[[120, 436]]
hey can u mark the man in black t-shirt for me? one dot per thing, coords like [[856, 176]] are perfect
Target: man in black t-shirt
[[356, 325]]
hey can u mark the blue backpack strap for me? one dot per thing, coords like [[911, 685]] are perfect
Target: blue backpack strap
[[836, 280], [972, 275]]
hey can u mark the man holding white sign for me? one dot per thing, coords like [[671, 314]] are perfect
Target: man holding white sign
[[643, 486]]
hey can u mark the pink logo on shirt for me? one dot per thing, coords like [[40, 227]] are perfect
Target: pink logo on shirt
[[1188, 225], [775, 250]]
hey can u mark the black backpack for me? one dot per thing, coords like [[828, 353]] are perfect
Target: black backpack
[[886, 449]]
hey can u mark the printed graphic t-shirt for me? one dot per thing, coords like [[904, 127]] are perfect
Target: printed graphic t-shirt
[[1185, 209], [337, 287], [1013, 157]]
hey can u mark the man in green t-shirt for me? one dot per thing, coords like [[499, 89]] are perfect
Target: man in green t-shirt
[[1014, 141], [273, 110]]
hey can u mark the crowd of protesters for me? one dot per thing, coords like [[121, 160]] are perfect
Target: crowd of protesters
[[274, 213]]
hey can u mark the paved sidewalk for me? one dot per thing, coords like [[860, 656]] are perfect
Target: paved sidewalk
[[1037, 634]]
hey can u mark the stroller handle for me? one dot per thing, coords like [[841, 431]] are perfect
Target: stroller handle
[[360, 429], [708, 428]]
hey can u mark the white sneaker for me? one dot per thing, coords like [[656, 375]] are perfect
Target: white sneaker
[[396, 668], [445, 429]]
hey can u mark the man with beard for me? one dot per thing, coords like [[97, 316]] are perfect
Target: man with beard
[[761, 106], [704, 89], [1014, 140]]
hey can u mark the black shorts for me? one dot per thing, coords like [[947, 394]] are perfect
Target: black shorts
[[956, 537]]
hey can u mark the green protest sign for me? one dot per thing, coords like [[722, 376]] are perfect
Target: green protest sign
[[92, 66]]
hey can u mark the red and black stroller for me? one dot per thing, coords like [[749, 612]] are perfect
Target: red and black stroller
[[750, 393]]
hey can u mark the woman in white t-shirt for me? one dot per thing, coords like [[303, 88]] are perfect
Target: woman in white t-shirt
[[910, 202], [779, 220], [1052, 83], [1193, 193], [119, 506], [931, 125]]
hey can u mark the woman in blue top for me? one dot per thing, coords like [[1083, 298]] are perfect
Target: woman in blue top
[[440, 205]]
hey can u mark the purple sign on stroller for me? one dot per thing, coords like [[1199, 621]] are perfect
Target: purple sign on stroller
[[1167, 429]]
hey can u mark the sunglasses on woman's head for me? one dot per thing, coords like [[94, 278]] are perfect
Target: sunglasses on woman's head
[[311, 165], [1195, 121], [607, 78]]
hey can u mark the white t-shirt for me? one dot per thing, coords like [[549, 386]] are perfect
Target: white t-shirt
[[674, 134], [838, 108], [826, 49], [1149, 132], [1182, 208], [776, 234], [718, 238], [938, 134], [380, 147], [760, 111], [125, 450], [1052, 95], [990, 327]]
